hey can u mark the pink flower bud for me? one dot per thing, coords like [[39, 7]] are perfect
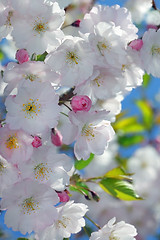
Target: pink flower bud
[[81, 103], [63, 196], [136, 44], [37, 142], [22, 56], [76, 23], [56, 137], [152, 26]]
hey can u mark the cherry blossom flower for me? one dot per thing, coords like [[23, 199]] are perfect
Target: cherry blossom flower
[[46, 166], [15, 145], [150, 52], [104, 83], [33, 205], [37, 28], [120, 16], [138, 9], [107, 42], [70, 220], [112, 230], [74, 55], [8, 175], [34, 109], [92, 133], [16, 74]]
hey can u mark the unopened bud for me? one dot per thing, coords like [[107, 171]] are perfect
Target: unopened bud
[[81, 103], [136, 44], [22, 56], [63, 196], [37, 142], [76, 23], [56, 137]]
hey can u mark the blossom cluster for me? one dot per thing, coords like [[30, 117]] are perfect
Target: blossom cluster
[[71, 96]]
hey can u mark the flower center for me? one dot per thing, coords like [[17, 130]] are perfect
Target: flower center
[[87, 131], [8, 21], [31, 108], [97, 81], [31, 77], [155, 50], [29, 205], [40, 26], [2, 167], [42, 171], [63, 223], [103, 46], [72, 58], [112, 237], [12, 142]]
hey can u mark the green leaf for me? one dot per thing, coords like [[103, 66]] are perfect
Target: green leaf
[[119, 189], [123, 123], [146, 80], [1, 55], [147, 113], [127, 141], [134, 128], [41, 57], [117, 173], [81, 188], [83, 163], [22, 239]]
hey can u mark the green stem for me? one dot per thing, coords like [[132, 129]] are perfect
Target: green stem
[[85, 230], [92, 222], [64, 114]]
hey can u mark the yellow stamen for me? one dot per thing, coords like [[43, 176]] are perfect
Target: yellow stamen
[[12, 142], [42, 171], [40, 26], [71, 58], [31, 108], [29, 205], [155, 50]]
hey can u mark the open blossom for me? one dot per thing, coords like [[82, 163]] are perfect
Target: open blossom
[[118, 15], [33, 205], [112, 230], [47, 166], [104, 83], [8, 175], [75, 61], [138, 9], [145, 164], [108, 45], [16, 74], [81, 103], [37, 27], [92, 132], [150, 52], [70, 220], [34, 109], [6, 13], [15, 145]]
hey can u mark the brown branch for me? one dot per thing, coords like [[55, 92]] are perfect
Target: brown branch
[[154, 5], [66, 96]]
